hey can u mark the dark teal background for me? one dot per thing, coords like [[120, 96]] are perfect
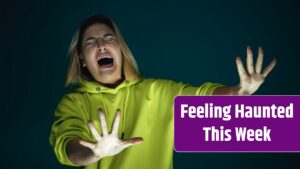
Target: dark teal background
[[188, 41]]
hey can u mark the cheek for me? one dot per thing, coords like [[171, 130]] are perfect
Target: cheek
[[88, 53], [117, 50], [88, 49]]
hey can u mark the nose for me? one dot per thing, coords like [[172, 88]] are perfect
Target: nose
[[101, 45]]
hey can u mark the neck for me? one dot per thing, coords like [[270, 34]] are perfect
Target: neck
[[113, 85]]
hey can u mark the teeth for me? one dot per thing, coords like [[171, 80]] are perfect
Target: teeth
[[103, 56]]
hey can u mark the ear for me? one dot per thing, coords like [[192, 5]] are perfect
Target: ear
[[82, 61]]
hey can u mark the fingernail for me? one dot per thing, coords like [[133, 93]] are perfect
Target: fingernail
[[101, 113], [140, 140]]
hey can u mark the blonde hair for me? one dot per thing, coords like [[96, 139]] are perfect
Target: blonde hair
[[76, 72]]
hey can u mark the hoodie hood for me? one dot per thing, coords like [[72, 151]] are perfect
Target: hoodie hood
[[95, 87]]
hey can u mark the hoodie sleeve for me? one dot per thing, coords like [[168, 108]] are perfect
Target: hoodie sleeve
[[172, 88], [70, 122], [205, 89]]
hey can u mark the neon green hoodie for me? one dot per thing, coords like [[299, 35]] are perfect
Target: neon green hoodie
[[147, 111]]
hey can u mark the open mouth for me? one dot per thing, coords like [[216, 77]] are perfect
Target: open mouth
[[106, 62]]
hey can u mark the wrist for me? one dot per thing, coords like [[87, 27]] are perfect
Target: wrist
[[228, 91]]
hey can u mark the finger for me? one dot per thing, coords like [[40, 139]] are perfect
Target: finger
[[103, 122], [94, 131], [240, 67], [132, 141], [87, 144], [269, 68], [249, 60], [259, 61], [116, 123]]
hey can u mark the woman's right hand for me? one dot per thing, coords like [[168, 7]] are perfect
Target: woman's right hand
[[108, 144]]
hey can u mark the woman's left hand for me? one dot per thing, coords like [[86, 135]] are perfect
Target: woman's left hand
[[252, 77]]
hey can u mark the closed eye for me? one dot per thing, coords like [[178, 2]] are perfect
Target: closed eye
[[91, 41], [108, 38]]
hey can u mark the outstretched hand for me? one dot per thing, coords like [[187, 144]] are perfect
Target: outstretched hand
[[252, 77], [108, 144]]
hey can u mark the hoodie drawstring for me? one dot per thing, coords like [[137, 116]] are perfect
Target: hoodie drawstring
[[125, 112], [105, 110]]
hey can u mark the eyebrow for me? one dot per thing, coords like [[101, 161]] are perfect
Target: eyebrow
[[92, 38]]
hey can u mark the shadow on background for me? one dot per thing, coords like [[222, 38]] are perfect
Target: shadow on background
[[188, 41]]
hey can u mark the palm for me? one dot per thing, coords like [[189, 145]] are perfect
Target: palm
[[108, 144]]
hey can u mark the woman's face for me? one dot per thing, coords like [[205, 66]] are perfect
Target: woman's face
[[101, 54]]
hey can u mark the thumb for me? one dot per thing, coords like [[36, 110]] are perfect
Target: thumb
[[132, 141], [87, 144]]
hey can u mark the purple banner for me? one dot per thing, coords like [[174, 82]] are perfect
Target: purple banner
[[237, 123]]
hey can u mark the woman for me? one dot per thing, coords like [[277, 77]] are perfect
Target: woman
[[90, 130]]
